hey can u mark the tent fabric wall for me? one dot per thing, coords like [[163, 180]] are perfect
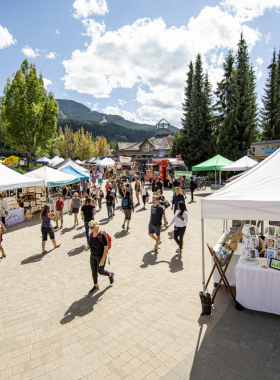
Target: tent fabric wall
[[254, 195], [69, 162], [52, 177], [74, 172], [10, 179]]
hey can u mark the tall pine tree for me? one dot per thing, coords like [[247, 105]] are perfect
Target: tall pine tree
[[185, 120], [270, 111]]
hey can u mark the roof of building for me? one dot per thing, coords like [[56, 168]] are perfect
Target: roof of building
[[163, 142]]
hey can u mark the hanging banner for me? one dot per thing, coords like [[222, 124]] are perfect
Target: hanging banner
[[125, 160]]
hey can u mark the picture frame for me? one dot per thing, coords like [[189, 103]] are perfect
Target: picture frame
[[250, 229], [253, 253], [251, 242], [270, 253], [223, 255], [274, 264], [271, 243]]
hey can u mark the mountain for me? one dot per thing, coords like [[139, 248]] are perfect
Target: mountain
[[109, 130], [69, 109]]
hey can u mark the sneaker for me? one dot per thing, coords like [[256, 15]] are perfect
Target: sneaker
[[93, 290], [123, 227], [111, 279], [56, 227], [127, 228]]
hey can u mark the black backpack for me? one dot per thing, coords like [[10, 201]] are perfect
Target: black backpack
[[109, 202], [125, 202]]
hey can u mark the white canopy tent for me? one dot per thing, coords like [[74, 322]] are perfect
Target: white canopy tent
[[79, 162], [10, 179], [52, 177], [242, 164], [107, 162], [56, 161], [69, 162], [255, 195]]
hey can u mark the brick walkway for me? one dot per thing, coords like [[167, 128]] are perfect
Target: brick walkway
[[147, 326]]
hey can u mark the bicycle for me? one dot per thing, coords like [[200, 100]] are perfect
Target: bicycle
[[201, 184]]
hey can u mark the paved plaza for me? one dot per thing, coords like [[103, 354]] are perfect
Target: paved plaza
[[146, 326]]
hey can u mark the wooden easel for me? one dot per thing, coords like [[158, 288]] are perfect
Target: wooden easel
[[221, 271]]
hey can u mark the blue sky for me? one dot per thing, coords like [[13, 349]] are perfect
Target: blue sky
[[130, 57]]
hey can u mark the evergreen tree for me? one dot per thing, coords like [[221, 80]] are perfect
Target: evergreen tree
[[209, 117], [244, 96], [270, 110], [177, 144], [198, 135], [182, 136]]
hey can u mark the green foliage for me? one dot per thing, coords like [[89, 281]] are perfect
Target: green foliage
[[28, 112], [270, 112], [109, 131], [68, 109], [178, 143], [19, 170]]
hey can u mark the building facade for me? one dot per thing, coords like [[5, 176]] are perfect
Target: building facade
[[261, 150], [155, 147]]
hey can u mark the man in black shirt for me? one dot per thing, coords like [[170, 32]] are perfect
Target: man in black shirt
[[159, 185], [87, 213], [157, 212], [177, 197], [176, 183], [193, 186]]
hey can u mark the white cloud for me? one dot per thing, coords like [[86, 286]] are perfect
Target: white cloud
[[29, 52], [57, 31], [247, 10], [6, 39], [259, 61], [51, 55], [267, 37], [88, 103], [259, 74], [153, 58], [122, 102], [85, 8], [65, 95], [47, 82], [95, 106]]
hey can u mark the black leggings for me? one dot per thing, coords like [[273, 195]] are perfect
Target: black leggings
[[96, 269], [144, 199], [4, 220], [179, 232]]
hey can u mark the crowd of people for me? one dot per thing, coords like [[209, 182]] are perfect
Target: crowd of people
[[88, 198]]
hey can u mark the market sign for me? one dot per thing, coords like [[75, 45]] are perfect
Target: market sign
[[269, 150], [125, 160], [180, 172]]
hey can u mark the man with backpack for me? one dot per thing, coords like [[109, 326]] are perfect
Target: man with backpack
[[109, 203], [99, 243], [127, 207]]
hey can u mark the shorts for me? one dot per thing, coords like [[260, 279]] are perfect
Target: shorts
[[75, 210], [99, 180], [127, 213], [154, 229], [137, 193], [58, 216], [47, 231]]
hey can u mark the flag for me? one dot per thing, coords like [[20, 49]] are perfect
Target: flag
[[133, 167], [115, 165]]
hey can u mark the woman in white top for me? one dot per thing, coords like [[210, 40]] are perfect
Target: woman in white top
[[180, 219], [144, 194]]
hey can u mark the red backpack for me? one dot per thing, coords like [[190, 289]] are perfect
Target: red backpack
[[108, 238]]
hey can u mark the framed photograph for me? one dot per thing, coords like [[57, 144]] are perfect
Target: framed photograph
[[271, 243], [274, 264], [223, 255], [251, 242], [270, 253], [254, 253], [277, 256]]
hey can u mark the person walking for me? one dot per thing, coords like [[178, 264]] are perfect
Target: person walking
[[100, 175], [46, 228], [93, 178], [3, 254], [193, 186], [154, 187], [175, 184], [109, 203], [137, 190], [3, 212], [65, 191], [114, 193], [59, 204], [87, 213], [157, 212], [177, 197], [75, 206], [180, 219], [184, 186], [99, 245], [144, 194], [142, 177], [122, 190], [160, 185], [127, 207]]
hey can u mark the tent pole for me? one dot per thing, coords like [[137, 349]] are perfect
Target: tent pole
[[215, 177], [202, 251], [220, 177]]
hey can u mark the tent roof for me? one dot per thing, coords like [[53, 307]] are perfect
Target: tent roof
[[74, 172], [52, 177], [69, 162], [254, 195], [243, 163], [107, 162], [79, 162], [43, 160], [10, 179], [56, 161], [214, 163]]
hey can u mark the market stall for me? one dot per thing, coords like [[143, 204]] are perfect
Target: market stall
[[214, 163], [254, 196], [240, 165], [15, 216], [10, 180]]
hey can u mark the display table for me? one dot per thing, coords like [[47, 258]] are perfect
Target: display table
[[231, 271], [66, 207], [15, 216], [257, 287]]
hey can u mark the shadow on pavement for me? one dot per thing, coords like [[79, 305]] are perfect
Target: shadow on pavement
[[82, 307], [150, 258], [65, 230], [76, 251], [33, 259], [119, 235], [141, 209], [82, 234]]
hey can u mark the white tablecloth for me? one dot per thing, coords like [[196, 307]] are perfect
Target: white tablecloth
[[15, 216], [231, 270], [66, 207], [257, 288]]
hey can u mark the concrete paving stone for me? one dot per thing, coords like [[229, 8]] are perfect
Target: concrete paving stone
[[227, 373], [270, 374], [255, 363], [221, 352], [215, 362], [249, 373], [234, 363]]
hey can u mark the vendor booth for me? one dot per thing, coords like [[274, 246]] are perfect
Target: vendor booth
[[107, 162], [214, 163], [43, 160], [240, 165], [82, 176], [254, 196], [56, 161]]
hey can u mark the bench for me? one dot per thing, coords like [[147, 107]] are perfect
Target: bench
[[216, 187]]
